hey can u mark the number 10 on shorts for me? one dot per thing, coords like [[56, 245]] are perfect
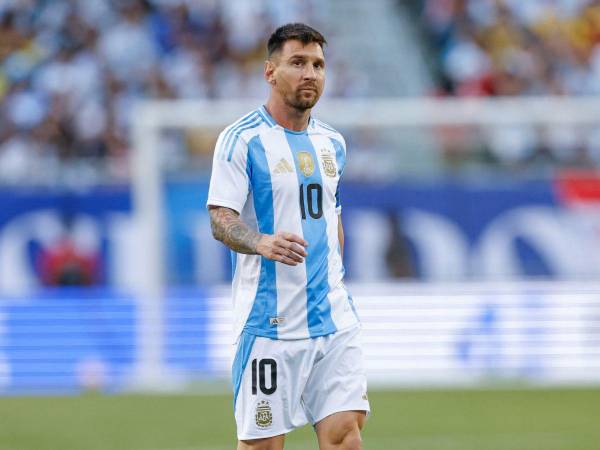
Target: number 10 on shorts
[[259, 369]]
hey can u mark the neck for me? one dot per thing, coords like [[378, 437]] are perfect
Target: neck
[[287, 116]]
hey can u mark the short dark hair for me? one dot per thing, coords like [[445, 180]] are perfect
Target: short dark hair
[[293, 31]]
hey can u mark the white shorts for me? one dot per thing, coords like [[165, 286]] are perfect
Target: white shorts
[[280, 385]]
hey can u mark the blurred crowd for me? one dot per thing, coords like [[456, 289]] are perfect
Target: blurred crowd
[[71, 70], [518, 47]]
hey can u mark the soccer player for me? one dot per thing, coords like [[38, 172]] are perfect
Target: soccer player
[[274, 201]]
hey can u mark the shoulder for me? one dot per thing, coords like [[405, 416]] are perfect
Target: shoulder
[[242, 131], [248, 124], [323, 128]]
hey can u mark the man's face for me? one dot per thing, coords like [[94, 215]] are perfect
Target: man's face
[[297, 73]]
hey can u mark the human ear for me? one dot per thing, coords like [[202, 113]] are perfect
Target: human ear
[[270, 72]]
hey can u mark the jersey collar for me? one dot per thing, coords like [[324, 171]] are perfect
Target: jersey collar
[[271, 122]]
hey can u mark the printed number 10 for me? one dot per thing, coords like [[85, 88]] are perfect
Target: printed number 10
[[307, 202], [259, 376]]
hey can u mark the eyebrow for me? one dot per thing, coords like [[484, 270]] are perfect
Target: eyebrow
[[304, 56]]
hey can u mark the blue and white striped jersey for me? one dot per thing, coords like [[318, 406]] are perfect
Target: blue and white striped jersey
[[283, 180]]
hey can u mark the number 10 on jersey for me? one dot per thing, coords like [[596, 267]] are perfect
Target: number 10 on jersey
[[311, 200]]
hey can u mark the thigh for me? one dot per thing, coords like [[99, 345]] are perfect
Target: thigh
[[341, 427], [272, 443], [268, 378], [338, 381]]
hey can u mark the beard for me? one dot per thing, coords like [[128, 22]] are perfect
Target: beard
[[301, 103]]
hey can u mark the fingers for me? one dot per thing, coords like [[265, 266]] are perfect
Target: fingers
[[282, 253], [294, 238], [292, 253], [286, 248], [292, 249], [285, 260]]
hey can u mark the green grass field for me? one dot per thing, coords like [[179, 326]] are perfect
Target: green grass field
[[566, 419]]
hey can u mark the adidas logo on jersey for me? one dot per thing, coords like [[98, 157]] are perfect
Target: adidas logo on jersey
[[276, 320], [283, 167]]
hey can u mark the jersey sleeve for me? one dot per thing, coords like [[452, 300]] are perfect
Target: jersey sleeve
[[340, 156], [229, 181]]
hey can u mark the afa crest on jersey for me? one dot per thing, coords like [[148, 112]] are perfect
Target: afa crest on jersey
[[307, 165], [328, 165]]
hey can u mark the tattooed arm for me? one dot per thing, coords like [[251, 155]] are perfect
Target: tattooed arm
[[228, 228]]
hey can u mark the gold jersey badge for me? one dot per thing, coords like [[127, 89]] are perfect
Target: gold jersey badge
[[307, 165]]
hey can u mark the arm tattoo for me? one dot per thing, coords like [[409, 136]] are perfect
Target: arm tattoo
[[228, 228]]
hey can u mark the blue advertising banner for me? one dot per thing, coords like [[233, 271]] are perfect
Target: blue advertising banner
[[443, 231]]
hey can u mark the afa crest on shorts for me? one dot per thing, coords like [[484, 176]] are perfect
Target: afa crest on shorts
[[264, 415]]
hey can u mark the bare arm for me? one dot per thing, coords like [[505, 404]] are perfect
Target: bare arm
[[228, 228]]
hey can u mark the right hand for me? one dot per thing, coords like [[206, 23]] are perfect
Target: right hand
[[287, 248]]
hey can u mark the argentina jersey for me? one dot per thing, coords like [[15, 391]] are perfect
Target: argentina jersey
[[280, 180]]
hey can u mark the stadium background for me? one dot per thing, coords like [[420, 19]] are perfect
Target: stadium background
[[472, 249]]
